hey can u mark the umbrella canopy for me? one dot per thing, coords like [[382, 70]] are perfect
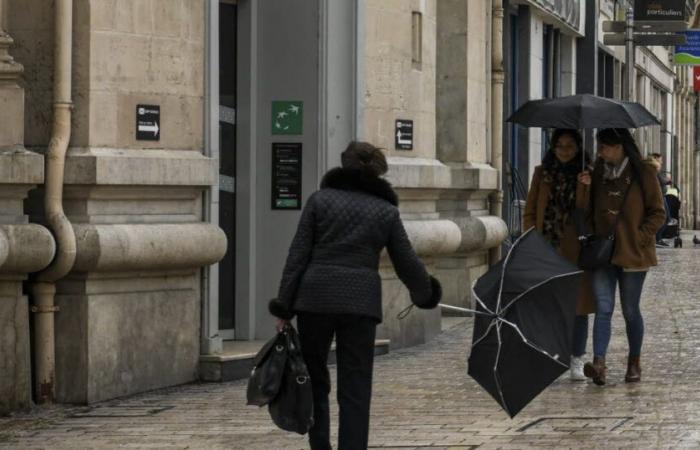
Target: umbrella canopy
[[582, 111], [524, 323]]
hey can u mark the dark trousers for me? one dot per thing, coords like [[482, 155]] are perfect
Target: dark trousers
[[355, 356]]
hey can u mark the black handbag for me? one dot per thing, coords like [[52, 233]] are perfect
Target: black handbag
[[268, 371], [596, 251], [293, 407]]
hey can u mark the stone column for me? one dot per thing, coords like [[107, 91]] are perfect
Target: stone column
[[24, 247]]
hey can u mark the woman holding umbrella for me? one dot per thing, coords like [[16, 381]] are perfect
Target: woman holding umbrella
[[625, 201], [556, 191]]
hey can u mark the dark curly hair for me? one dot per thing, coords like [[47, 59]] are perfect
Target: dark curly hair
[[365, 158], [550, 157], [622, 136]]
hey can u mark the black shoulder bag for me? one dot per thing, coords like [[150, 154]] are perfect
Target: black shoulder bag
[[597, 252]]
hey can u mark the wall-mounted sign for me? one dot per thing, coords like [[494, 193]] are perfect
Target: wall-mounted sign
[[690, 52], [696, 78], [148, 122], [286, 175], [659, 10], [287, 117], [403, 135]]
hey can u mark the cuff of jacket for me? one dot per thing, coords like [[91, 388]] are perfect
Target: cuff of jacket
[[433, 299], [279, 309]]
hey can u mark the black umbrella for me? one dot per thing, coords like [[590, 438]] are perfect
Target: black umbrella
[[582, 111], [523, 330]]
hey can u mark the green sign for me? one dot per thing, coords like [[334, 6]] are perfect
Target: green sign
[[287, 117], [689, 53]]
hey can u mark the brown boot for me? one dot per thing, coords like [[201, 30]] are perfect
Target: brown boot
[[634, 370], [596, 370]]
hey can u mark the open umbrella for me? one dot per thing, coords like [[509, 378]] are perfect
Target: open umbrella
[[523, 329], [582, 111]]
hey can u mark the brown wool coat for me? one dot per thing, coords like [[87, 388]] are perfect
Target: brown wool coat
[[642, 216], [537, 199]]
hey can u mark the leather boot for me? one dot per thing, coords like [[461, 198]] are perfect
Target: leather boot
[[634, 370], [596, 370]]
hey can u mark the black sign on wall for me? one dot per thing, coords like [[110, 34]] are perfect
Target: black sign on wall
[[403, 135], [286, 175], [667, 10], [148, 122]]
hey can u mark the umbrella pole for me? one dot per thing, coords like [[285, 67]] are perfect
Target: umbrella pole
[[464, 310]]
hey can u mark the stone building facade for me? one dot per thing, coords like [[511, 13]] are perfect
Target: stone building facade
[[144, 302]]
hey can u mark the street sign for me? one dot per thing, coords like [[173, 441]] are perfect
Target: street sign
[[696, 78], [403, 135], [148, 122], [287, 117], [647, 26], [286, 175], [613, 39], [689, 53], [659, 10]]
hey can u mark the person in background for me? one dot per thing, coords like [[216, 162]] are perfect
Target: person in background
[[557, 189]]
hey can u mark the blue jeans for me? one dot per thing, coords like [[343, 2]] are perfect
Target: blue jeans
[[580, 336], [604, 286]]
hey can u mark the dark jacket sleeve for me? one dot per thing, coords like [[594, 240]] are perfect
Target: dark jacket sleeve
[[297, 260], [425, 290]]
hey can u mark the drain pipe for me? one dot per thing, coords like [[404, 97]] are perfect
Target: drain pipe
[[497, 82], [44, 288]]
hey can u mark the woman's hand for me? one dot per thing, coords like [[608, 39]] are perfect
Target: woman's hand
[[279, 325], [585, 178]]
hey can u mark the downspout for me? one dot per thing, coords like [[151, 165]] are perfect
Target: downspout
[[497, 82], [44, 289]]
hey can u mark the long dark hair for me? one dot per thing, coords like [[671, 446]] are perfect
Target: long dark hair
[[622, 136], [550, 157]]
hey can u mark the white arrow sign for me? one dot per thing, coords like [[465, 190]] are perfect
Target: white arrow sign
[[153, 128], [401, 141]]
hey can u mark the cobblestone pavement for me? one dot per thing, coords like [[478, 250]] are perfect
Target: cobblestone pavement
[[424, 399]]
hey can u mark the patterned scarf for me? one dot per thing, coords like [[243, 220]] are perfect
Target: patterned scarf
[[562, 179]]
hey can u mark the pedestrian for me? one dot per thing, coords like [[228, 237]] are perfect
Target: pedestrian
[[657, 161], [331, 282], [625, 200], [555, 192]]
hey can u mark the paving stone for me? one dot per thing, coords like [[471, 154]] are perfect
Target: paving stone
[[423, 397]]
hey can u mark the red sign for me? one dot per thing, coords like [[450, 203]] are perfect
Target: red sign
[[696, 78]]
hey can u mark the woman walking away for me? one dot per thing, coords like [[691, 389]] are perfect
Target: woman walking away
[[557, 189], [625, 200], [331, 282]]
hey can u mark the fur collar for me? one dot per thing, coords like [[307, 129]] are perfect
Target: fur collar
[[353, 180]]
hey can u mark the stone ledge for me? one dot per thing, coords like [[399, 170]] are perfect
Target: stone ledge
[[27, 248], [112, 166], [20, 166], [424, 173], [129, 247]]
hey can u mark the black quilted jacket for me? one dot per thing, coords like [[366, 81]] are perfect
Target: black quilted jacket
[[332, 267]]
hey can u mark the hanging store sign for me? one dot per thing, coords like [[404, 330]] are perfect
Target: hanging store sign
[[286, 175], [148, 122], [659, 10], [689, 53]]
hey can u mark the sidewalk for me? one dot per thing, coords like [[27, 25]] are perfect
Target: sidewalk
[[423, 397]]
